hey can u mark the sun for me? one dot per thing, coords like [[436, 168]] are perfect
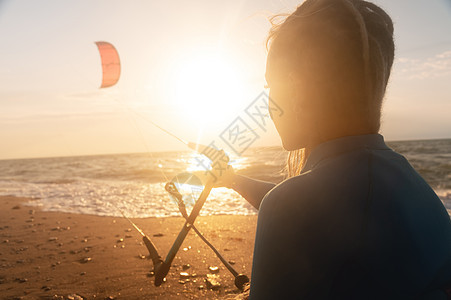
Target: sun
[[208, 88]]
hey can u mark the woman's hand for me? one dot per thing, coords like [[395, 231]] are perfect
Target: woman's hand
[[222, 175], [221, 172], [226, 177]]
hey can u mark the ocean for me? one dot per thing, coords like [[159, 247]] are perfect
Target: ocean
[[134, 183]]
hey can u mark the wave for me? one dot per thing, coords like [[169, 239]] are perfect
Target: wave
[[135, 182], [103, 198]]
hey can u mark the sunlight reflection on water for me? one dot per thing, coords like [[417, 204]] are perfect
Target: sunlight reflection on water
[[135, 182]]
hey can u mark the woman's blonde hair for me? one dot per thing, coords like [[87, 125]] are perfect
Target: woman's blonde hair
[[370, 32]]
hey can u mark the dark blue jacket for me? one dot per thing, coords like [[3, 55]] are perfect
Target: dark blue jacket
[[358, 223]]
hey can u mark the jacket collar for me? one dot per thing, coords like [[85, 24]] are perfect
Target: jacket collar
[[342, 145]]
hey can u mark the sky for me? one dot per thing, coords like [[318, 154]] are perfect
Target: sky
[[191, 67]]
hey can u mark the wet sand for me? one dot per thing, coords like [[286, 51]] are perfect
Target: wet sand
[[50, 255]]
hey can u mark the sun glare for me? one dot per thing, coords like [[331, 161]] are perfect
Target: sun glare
[[208, 89]]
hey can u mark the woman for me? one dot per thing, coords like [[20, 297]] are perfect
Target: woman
[[354, 221]]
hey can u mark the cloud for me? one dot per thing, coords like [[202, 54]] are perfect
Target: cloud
[[432, 67]]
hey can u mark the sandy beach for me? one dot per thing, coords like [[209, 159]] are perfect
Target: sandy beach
[[50, 255]]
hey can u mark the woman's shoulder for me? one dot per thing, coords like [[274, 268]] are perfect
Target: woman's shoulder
[[318, 190], [293, 189]]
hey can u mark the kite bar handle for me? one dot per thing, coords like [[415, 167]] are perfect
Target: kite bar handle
[[240, 279], [163, 269], [156, 258]]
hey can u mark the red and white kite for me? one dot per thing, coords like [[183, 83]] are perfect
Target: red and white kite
[[111, 65]]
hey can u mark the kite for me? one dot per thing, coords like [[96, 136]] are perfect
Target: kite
[[111, 65]]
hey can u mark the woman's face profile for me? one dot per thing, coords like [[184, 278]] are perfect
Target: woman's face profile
[[284, 91]]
